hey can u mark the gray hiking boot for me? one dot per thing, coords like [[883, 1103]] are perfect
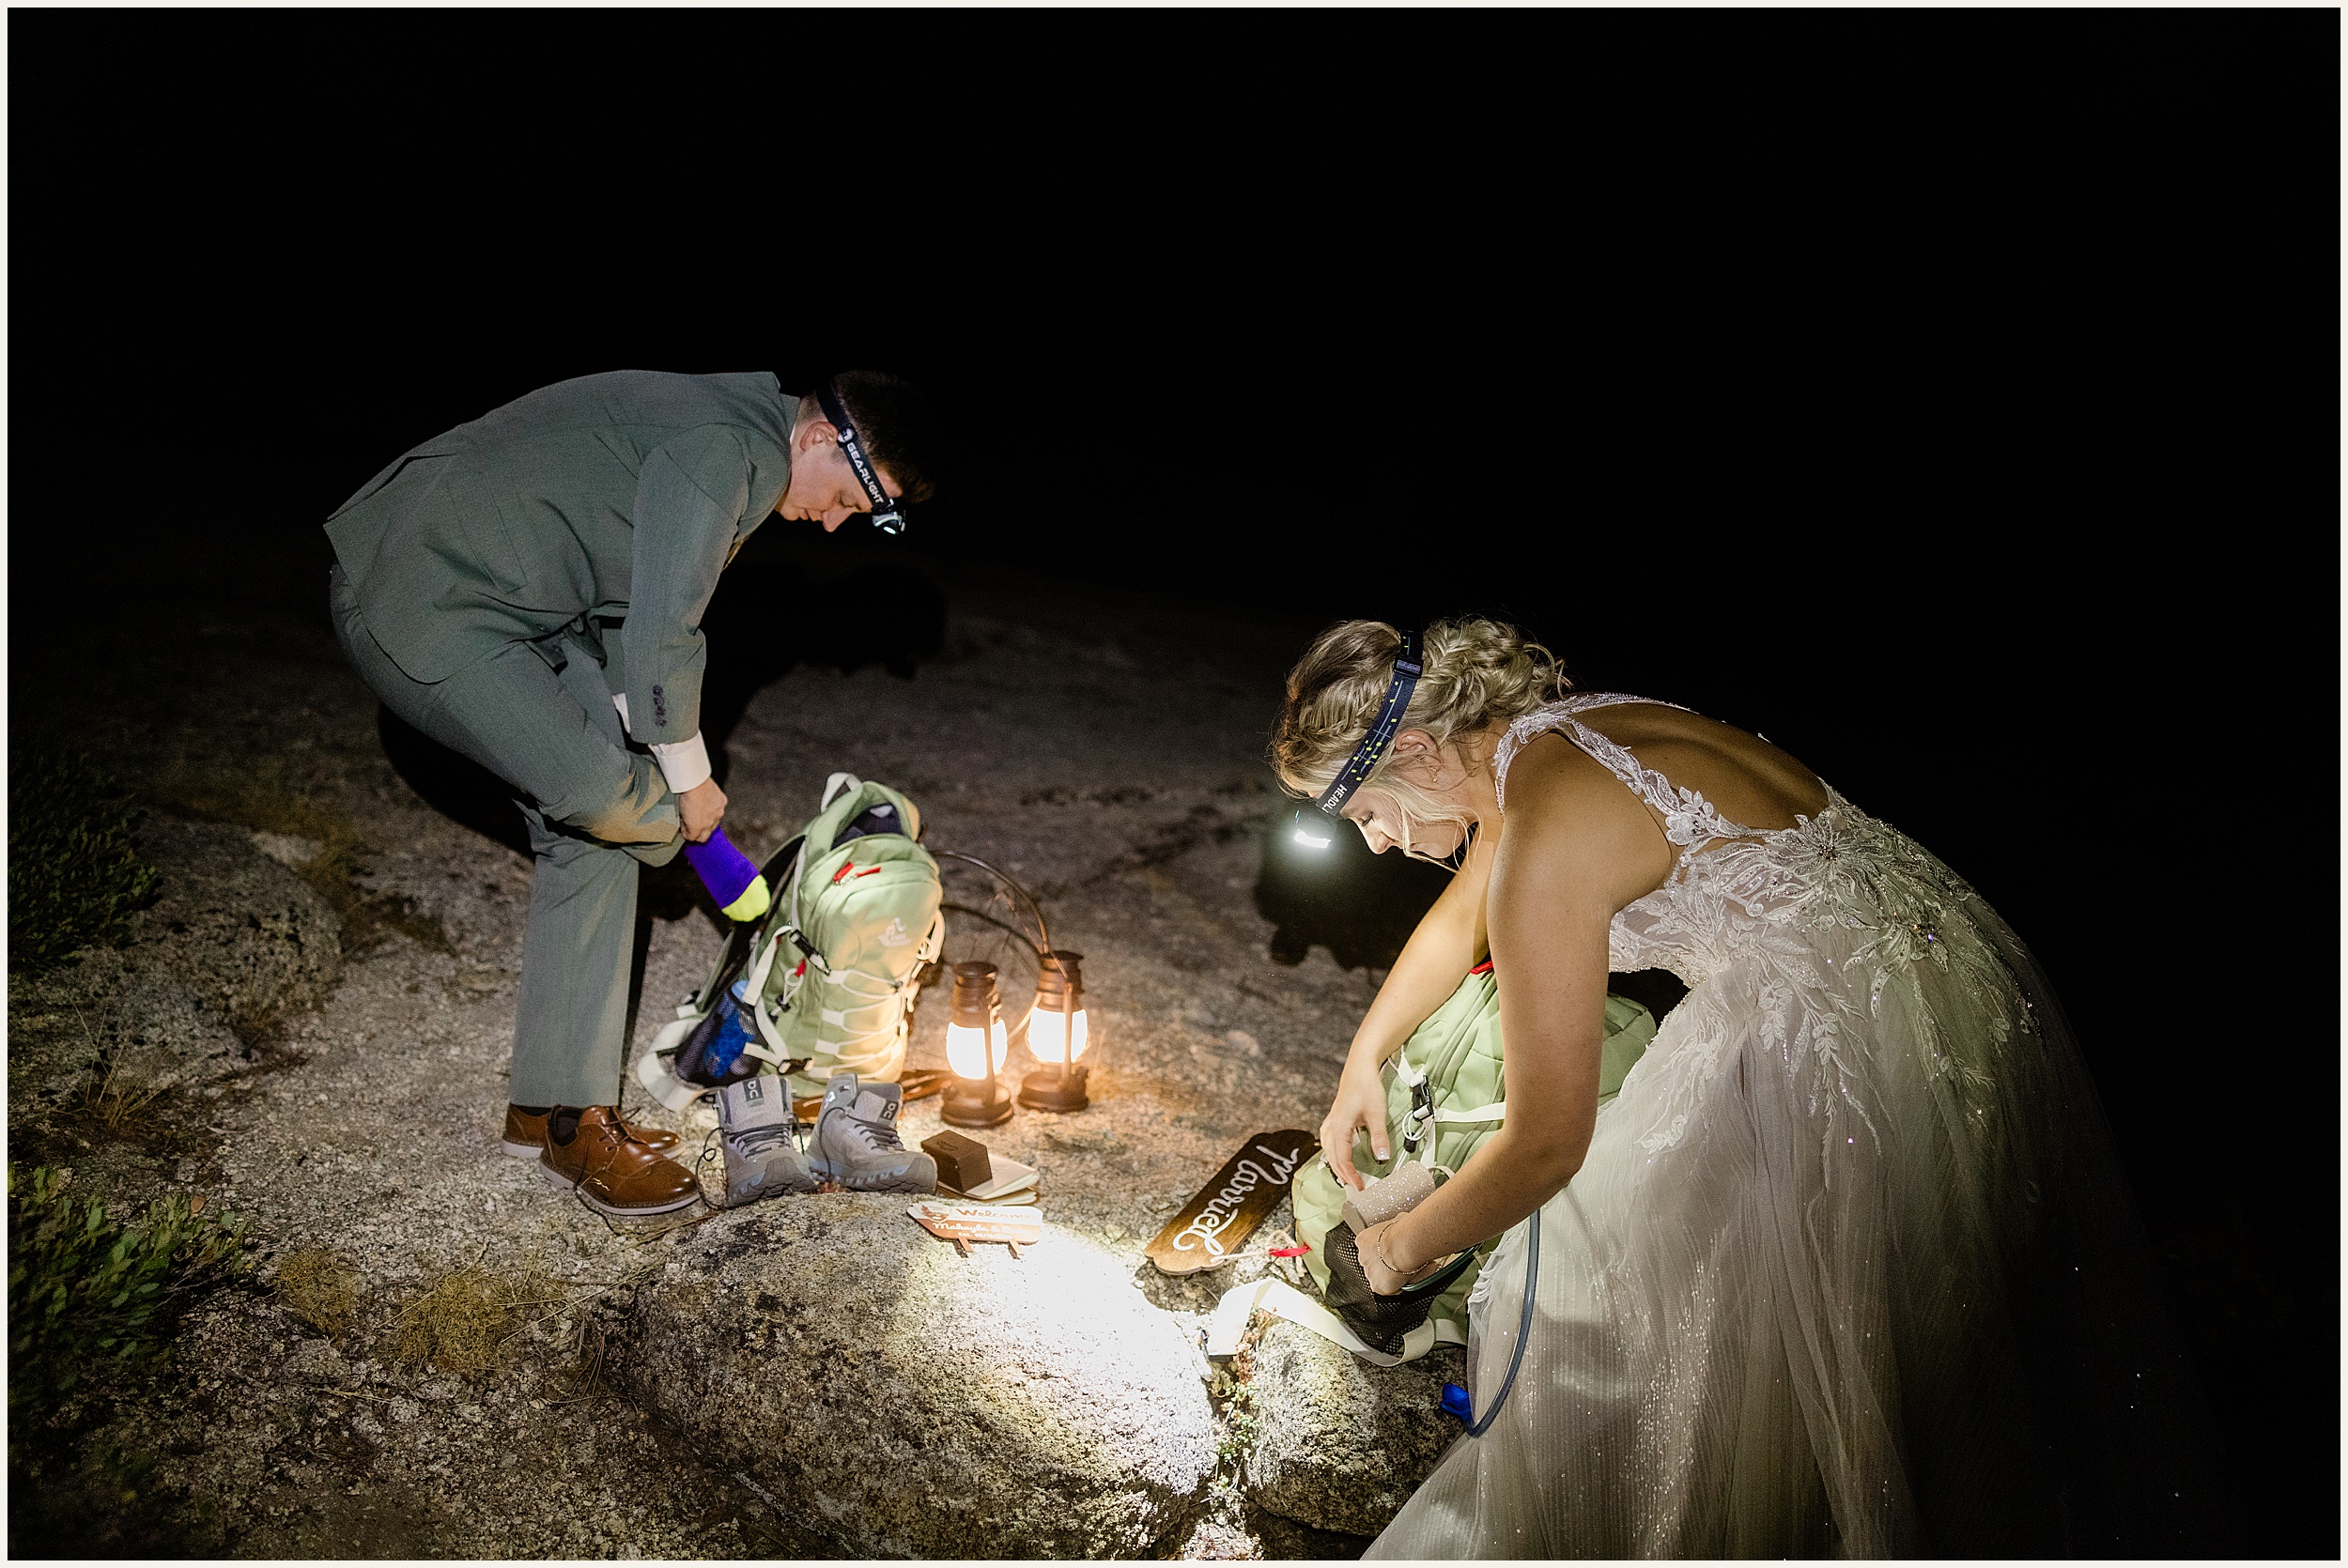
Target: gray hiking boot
[[856, 1144], [754, 1126]]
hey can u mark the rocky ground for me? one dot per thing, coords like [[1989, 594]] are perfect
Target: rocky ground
[[443, 1355]]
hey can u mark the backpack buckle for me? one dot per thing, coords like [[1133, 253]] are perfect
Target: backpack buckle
[[799, 941], [1422, 1113]]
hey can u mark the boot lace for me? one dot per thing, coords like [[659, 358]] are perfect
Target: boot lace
[[756, 1142], [874, 1135]]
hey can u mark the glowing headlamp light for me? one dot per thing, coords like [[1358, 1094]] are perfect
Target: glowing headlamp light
[[888, 515], [1317, 825]]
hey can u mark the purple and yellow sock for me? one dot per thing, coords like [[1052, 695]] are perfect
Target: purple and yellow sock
[[732, 880]]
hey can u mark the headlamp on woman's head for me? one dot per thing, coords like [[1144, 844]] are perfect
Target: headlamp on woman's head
[[1317, 825], [888, 515]]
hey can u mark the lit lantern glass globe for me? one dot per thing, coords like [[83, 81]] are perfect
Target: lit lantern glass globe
[[1056, 1038], [975, 1095], [966, 1048], [1057, 1032]]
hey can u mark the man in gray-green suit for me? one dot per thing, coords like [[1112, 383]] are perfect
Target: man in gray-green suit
[[528, 590]]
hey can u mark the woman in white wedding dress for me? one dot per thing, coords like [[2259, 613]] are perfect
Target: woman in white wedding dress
[[1847, 1268]]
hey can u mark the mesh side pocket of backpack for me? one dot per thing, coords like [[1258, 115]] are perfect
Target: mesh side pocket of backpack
[[1379, 1322]]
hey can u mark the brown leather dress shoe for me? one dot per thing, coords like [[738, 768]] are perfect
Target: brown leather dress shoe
[[525, 1135], [613, 1170]]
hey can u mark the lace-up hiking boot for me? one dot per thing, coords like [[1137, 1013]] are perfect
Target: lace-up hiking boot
[[856, 1144], [526, 1134], [755, 1129], [612, 1172]]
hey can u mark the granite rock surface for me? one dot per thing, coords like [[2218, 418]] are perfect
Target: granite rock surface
[[918, 1403], [235, 923], [1341, 1444]]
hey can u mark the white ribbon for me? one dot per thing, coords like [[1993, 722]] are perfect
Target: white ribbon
[[1230, 1323]]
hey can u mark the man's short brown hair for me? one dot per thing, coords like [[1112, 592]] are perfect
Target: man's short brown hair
[[891, 419]]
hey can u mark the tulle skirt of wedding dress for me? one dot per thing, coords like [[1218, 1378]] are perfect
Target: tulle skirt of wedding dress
[[1842, 1274]]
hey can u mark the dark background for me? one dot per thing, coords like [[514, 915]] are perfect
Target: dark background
[[1952, 398]]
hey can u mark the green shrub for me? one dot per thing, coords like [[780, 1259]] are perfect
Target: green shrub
[[73, 878], [85, 1290]]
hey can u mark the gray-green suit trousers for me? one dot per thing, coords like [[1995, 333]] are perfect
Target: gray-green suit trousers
[[539, 715]]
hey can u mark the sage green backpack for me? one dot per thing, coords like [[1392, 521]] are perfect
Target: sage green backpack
[[1455, 1054], [838, 961]]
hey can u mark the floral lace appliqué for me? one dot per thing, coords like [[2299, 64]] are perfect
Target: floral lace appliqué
[[1787, 938]]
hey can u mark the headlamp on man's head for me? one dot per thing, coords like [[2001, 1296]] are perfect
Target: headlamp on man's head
[[888, 515], [1317, 825]]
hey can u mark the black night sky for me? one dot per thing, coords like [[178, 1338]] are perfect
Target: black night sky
[[1952, 398]]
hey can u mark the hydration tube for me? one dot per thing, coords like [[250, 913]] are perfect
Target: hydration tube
[[1524, 1326]]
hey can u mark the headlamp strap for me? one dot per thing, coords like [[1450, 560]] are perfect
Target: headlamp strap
[[886, 516], [1407, 669]]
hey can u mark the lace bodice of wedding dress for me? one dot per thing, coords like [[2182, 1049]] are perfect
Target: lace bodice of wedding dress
[[1849, 1268], [1831, 910]]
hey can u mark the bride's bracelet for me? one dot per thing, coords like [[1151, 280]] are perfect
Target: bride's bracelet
[[1379, 1248]]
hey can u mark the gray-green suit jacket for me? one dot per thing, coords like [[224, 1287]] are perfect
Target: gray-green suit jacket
[[615, 497]]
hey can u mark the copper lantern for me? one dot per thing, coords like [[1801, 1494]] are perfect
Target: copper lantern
[[975, 1046]]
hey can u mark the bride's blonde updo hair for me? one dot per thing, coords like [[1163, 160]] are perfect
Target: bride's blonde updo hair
[[1476, 671]]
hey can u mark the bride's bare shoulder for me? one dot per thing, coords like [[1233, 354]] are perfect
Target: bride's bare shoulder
[[1566, 813], [1552, 780], [1751, 779]]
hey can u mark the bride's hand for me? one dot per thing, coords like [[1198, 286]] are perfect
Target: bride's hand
[[1361, 1101]]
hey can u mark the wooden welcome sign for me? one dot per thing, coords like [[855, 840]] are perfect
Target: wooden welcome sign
[[963, 1223], [1222, 1215]]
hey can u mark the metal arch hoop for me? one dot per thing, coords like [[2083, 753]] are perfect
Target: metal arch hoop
[[1043, 945], [1015, 1033]]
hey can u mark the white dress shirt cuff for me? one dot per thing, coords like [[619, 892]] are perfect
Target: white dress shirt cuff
[[685, 765]]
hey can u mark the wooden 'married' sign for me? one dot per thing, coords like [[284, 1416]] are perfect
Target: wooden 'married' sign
[[1224, 1213]]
